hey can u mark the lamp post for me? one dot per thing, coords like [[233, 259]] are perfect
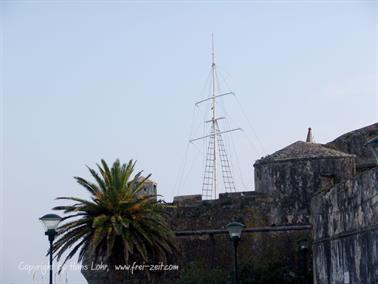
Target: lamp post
[[50, 221], [235, 229], [303, 247], [373, 145]]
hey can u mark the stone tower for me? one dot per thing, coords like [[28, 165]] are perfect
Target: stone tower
[[293, 174], [149, 187]]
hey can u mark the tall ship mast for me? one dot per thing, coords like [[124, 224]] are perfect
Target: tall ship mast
[[217, 161]]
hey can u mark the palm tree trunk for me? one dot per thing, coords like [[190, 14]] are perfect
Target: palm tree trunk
[[98, 271]]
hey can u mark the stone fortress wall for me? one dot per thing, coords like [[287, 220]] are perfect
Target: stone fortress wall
[[215, 251], [286, 182], [345, 231], [345, 218]]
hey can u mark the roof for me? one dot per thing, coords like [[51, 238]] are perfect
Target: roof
[[303, 150]]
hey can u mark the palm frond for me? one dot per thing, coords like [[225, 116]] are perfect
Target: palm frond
[[117, 222]]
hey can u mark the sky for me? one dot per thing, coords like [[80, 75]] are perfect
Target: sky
[[88, 80]]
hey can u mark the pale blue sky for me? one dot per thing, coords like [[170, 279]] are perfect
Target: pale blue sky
[[88, 80]]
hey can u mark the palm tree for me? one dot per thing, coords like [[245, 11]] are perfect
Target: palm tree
[[118, 225]]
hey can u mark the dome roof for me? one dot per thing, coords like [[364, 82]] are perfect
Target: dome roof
[[302, 150]]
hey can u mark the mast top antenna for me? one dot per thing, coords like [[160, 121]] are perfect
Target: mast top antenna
[[212, 50]]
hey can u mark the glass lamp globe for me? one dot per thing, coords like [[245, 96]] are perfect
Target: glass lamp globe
[[50, 221], [235, 229], [373, 145], [303, 244]]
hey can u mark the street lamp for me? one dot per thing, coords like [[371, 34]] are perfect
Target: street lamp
[[303, 248], [50, 221], [235, 229], [373, 145]]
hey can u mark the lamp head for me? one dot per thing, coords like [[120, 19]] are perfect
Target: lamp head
[[235, 229], [373, 145], [50, 221], [303, 244]]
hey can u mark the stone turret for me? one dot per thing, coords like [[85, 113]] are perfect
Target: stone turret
[[293, 174], [149, 187]]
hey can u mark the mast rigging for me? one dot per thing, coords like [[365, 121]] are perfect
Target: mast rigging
[[216, 148]]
